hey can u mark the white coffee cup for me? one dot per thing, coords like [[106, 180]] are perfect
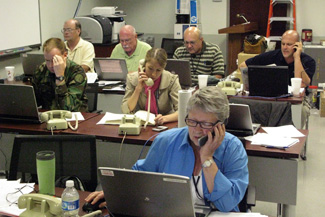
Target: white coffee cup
[[203, 80], [295, 86], [10, 72]]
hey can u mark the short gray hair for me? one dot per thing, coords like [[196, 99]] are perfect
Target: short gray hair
[[210, 99]]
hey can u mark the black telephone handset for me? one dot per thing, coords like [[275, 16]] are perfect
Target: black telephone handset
[[204, 139]]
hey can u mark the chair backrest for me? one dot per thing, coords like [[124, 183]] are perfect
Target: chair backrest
[[92, 95], [75, 155], [170, 45]]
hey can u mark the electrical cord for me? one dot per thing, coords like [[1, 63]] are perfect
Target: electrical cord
[[120, 152], [146, 144]]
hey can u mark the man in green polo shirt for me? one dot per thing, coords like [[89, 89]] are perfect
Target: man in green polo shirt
[[130, 48]]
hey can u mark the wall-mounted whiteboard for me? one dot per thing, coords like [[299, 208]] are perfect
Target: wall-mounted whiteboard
[[19, 24]]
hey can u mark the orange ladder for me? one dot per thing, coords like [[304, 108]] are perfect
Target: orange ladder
[[291, 19]]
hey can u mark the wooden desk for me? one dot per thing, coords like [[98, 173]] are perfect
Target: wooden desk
[[110, 132], [273, 172], [34, 128]]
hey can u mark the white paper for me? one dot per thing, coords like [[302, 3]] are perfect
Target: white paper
[[268, 140], [8, 187], [79, 116], [91, 77], [283, 131], [103, 83], [112, 118], [235, 214]]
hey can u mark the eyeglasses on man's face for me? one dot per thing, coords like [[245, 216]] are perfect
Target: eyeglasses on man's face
[[67, 30], [203, 124], [192, 43]]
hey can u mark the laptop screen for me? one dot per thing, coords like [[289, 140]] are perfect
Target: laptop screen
[[268, 81], [135, 193], [111, 69], [31, 61], [182, 69], [18, 102]]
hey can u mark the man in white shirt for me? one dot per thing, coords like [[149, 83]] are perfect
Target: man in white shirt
[[79, 51]]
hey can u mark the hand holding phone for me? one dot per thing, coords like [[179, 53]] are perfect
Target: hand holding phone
[[148, 82]]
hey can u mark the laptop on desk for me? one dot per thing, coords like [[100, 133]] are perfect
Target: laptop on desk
[[240, 121], [18, 102], [139, 193], [110, 69], [30, 62], [182, 69], [268, 81]]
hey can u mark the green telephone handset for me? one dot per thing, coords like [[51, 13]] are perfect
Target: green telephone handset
[[56, 120], [39, 205]]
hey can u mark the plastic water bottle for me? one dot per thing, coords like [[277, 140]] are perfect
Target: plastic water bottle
[[70, 200]]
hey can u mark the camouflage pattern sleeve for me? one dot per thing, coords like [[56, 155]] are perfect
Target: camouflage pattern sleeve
[[70, 95]]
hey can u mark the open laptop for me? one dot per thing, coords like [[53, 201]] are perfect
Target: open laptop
[[240, 121], [30, 62], [111, 69], [139, 193], [268, 81], [18, 102], [182, 69]]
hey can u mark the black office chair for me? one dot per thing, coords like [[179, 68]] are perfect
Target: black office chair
[[75, 155], [170, 45], [249, 200], [92, 95]]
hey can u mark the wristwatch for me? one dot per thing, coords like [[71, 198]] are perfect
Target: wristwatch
[[60, 78], [207, 163]]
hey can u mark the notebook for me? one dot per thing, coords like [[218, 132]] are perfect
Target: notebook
[[268, 81], [240, 121], [111, 69], [30, 62], [139, 193], [18, 102], [182, 69]]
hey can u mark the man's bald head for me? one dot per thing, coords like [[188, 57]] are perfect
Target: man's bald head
[[128, 39], [193, 40], [292, 34]]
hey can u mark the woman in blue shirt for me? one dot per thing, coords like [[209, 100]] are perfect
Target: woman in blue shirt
[[218, 169]]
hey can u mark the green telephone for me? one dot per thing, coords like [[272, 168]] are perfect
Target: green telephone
[[56, 120], [40, 205], [229, 87]]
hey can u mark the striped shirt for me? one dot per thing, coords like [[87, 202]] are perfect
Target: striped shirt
[[209, 61]]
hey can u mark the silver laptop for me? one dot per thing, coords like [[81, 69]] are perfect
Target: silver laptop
[[111, 69], [182, 69], [240, 121], [139, 193], [18, 102], [30, 62]]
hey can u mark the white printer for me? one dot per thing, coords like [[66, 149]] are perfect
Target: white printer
[[102, 26]]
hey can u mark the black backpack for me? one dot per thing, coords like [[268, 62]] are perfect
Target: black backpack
[[78, 184]]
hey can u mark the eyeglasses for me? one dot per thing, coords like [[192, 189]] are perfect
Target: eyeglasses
[[204, 125], [67, 30], [189, 42]]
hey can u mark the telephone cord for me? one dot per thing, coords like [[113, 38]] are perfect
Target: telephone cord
[[76, 126]]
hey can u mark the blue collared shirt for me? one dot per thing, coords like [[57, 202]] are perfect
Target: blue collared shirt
[[171, 153]]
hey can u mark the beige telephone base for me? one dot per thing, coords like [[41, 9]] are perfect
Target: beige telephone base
[[130, 126], [57, 124], [229, 87], [39, 205]]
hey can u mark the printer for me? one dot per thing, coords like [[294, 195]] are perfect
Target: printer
[[102, 26]]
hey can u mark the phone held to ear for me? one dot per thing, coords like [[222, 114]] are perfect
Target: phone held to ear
[[148, 82], [204, 139]]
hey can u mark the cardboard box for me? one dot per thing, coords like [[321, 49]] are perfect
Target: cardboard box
[[322, 104], [244, 56]]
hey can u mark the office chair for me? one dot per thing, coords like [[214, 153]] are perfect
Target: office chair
[[75, 155], [92, 95], [170, 45]]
